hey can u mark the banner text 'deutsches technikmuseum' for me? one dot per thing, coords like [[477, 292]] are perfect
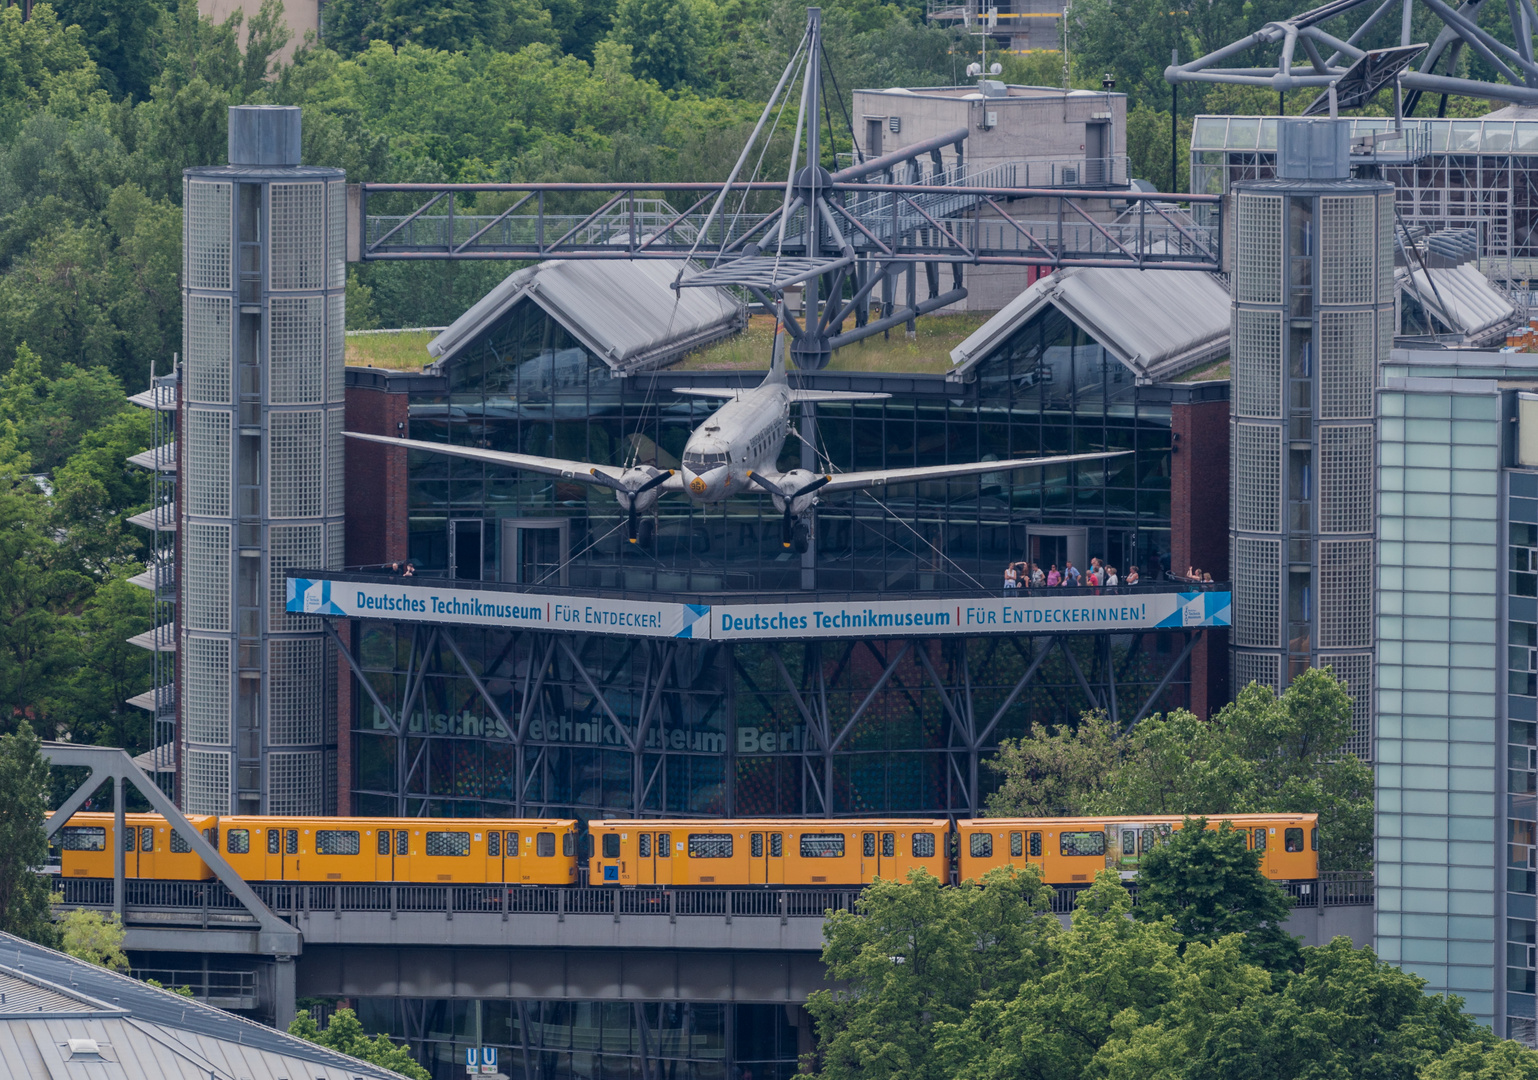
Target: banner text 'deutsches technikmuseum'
[[1032, 612]]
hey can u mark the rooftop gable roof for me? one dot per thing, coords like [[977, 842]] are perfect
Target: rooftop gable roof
[[1159, 323], [625, 312], [1462, 298]]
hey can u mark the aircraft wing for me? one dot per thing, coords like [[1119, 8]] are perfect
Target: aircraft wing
[[729, 392], [855, 481], [584, 472]]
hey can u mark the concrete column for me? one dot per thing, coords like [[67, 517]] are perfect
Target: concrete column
[[283, 992]]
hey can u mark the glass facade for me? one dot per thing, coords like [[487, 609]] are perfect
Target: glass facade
[[597, 1040], [526, 385], [1441, 728]]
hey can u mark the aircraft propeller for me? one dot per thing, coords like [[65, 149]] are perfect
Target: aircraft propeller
[[630, 488], [787, 498]]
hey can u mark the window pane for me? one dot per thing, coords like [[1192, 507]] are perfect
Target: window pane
[[1294, 839], [1016, 844], [757, 841], [1260, 839], [665, 845], [710, 845], [494, 845], [1082, 843], [822, 845], [982, 845], [923, 845], [1036, 844], [178, 845], [83, 838], [401, 842], [868, 845], [512, 845], [611, 845], [544, 845], [646, 845], [337, 842], [273, 840], [448, 844], [776, 845], [888, 845], [237, 841], [290, 845]]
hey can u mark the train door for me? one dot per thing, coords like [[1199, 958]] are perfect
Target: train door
[[384, 855], [494, 871], [662, 859], [1262, 846], [1124, 847], [130, 842], [645, 858], [766, 858], [283, 854], [878, 852]]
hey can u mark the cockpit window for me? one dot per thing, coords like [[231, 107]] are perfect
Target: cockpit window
[[700, 462]]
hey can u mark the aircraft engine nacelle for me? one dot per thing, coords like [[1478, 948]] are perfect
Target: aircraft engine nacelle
[[796, 480], [635, 479]]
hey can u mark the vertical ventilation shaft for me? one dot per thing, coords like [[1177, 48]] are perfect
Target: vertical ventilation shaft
[[262, 399]]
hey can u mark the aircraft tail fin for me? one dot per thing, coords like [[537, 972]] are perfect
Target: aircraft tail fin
[[777, 359]]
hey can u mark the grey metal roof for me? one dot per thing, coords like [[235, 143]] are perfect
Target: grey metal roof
[[138, 1032], [160, 638], [160, 518], [1159, 323], [156, 457], [625, 312], [1462, 298]]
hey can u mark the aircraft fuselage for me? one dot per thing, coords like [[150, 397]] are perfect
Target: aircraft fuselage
[[744, 435]]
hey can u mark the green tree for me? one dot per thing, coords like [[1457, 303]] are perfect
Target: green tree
[[95, 938], [670, 39], [119, 34], [24, 899], [1209, 884], [345, 1034], [1052, 771], [112, 670]]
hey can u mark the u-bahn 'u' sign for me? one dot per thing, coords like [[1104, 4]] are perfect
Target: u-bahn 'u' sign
[[1030, 612]]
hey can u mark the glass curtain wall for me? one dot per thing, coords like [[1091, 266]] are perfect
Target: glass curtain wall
[[527, 386]]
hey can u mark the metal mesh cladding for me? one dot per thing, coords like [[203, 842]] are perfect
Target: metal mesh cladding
[[1262, 668], [336, 349], [295, 782], [206, 234], [208, 463], [336, 545], [290, 546], [1259, 251], [297, 236], [206, 570], [296, 351], [206, 349], [336, 234], [295, 704], [207, 781], [1386, 251], [336, 462], [1347, 359], [1257, 478], [1257, 591], [206, 689], [1355, 670], [1345, 478], [1346, 249], [1258, 363], [296, 480], [1345, 594]]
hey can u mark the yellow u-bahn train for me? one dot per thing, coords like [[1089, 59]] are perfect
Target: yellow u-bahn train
[[778, 853]]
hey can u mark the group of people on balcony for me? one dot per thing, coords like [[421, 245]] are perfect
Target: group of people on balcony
[[1028, 575], [1193, 574]]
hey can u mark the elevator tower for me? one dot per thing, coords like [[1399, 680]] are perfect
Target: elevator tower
[[261, 401], [1313, 302]]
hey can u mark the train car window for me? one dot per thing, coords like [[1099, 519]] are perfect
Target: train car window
[[178, 845], [888, 845], [401, 840], [611, 845], [1081, 843], [544, 845], [130, 838], [512, 845], [776, 846], [83, 838], [665, 845], [494, 845], [1128, 842], [982, 845], [384, 841], [757, 844], [1260, 839], [568, 844], [822, 845], [338, 842], [290, 841], [868, 845], [238, 841], [1293, 840], [1313, 839], [710, 845], [923, 845], [452, 845], [1036, 845], [1016, 844], [645, 845], [273, 840], [147, 839]]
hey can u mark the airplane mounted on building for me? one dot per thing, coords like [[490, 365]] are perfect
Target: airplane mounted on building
[[735, 452]]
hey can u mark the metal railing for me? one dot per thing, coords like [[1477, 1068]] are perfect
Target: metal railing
[[202, 902], [203, 984]]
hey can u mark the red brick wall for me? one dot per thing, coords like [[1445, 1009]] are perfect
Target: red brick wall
[[376, 478], [1199, 530]]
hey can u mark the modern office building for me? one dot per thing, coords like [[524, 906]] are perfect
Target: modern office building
[[1313, 289], [1457, 631]]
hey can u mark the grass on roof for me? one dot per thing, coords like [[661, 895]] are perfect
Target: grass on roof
[[1219, 372], [930, 351], [398, 352]]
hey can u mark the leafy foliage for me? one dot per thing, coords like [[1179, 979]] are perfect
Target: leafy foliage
[[24, 899], [1259, 754], [950, 983], [97, 939], [345, 1034]]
